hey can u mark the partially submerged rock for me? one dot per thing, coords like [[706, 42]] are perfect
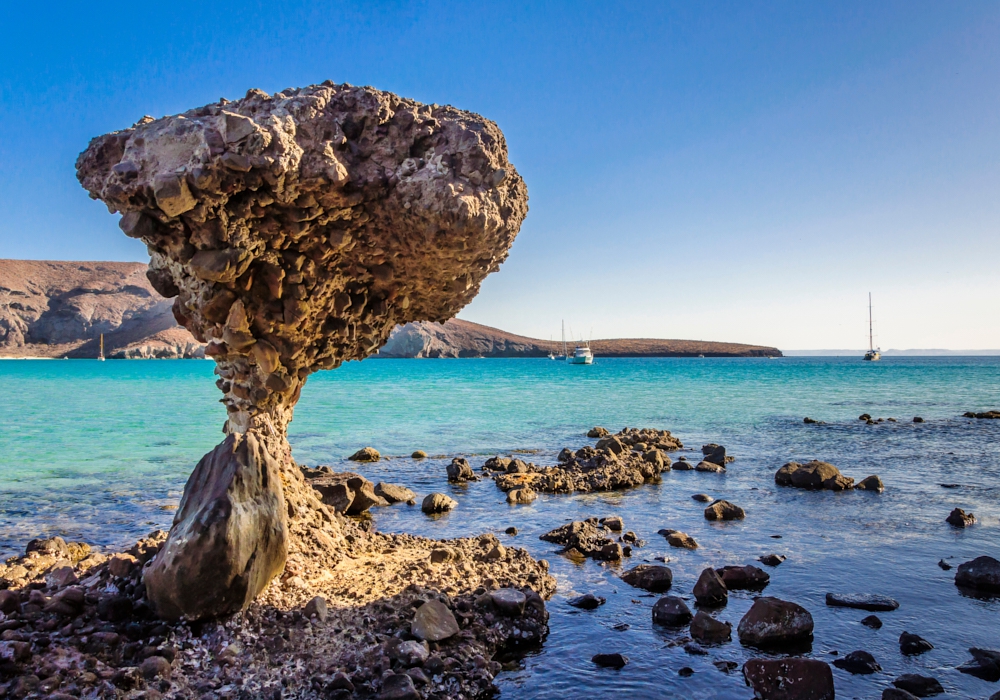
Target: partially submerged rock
[[792, 678], [772, 622], [584, 537], [724, 510], [707, 630], [985, 664], [395, 493], [861, 601], [346, 492], [813, 475], [858, 662], [983, 415], [676, 538], [959, 518], [747, 578], [921, 686], [982, 574], [649, 577], [459, 470], [911, 644], [366, 454], [710, 591], [434, 503], [294, 232], [671, 611], [772, 559]]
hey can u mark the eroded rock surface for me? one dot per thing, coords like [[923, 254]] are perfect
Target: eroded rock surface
[[294, 231]]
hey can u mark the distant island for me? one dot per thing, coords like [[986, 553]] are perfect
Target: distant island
[[60, 309]]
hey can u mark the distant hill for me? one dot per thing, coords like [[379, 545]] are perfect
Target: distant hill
[[456, 338], [59, 309]]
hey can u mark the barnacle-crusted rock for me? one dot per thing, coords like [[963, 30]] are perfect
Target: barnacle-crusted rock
[[295, 231]]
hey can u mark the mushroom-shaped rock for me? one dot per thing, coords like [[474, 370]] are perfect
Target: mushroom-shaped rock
[[295, 231]]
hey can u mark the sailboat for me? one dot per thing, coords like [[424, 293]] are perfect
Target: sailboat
[[100, 353], [874, 354], [563, 356]]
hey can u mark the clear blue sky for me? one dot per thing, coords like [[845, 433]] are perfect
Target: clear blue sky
[[726, 171]]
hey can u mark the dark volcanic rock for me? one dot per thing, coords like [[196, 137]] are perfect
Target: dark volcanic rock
[[775, 622], [585, 537], [812, 475], [983, 415], [707, 630], [649, 577], [671, 611], [921, 686], [911, 644], [861, 601], [748, 578], [710, 590], [716, 454], [982, 573], [772, 559], [959, 518], [610, 660], [873, 622], [724, 510], [858, 662], [789, 679], [871, 483], [985, 664], [897, 694], [587, 601]]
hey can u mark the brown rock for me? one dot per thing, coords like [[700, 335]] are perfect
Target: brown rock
[[437, 503], [749, 578], [523, 495], [724, 510], [707, 630], [155, 667], [649, 577], [710, 591], [671, 611], [959, 518], [394, 493], [366, 454], [676, 538], [597, 432], [790, 679], [775, 622], [433, 622], [870, 483], [813, 475]]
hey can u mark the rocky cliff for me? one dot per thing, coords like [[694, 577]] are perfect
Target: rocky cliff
[[456, 338], [60, 309]]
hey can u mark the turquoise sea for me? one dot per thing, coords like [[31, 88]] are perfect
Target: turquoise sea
[[100, 451]]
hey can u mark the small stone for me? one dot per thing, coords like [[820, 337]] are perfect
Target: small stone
[[587, 601], [771, 559], [649, 577], [959, 518], [707, 630], [671, 611], [316, 608], [412, 653], [702, 498], [921, 686], [610, 660], [944, 565], [676, 538], [509, 601], [394, 493], [523, 496], [460, 470], [872, 621], [9, 601], [365, 454], [60, 577], [710, 590], [512, 531], [911, 644], [433, 622], [155, 667], [724, 510], [871, 483], [597, 432], [918, 419], [419, 454], [858, 662], [685, 672], [437, 503]]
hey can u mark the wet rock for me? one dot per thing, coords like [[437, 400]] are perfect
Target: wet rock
[[982, 573], [587, 601], [724, 510], [418, 454], [585, 537], [523, 495], [509, 601], [945, 566], [398, 686], [861, 601], [702, 498], [706, 466], [921, 686], [983, 415], [918, 419], [433, 622], [613, 523], [676, 538], [897, 694], [870, 483], [985, 664], [791, 678], [50, 546], [873, 622], [155, 667], [812, 475], [610, 660], [911, 644], [710, 591], [695, 649], [671, 611], [346, 492], [366, 454], [597, 432], [649, 577], [437, 503], [512, 531], [229, 537], [9, 601], [748, 578], [394, 493], [715, 454], [460, 470], [316, 608], [771, 559], [858, 662], [811, 421], [707, 630], [865, 417], [774, 622], [685, 672], [959, 518], [683, 465]]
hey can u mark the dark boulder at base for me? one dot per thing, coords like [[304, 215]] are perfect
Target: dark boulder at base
[[744, 578], [710, 591], [707, 630], [985, 664], [716, 454], [649, 577], [872, 621], [671, 611], [911, 644], [772, 559], [861, 601], [959, 518], [610, 660], [775, 622], [982, 573], [587, 601], [724, 510], [792, 678], [921, 686], [812, 475], [858, 662]]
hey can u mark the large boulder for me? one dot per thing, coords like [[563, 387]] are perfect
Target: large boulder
[[295, 231], [772, 622], [813, 475], [982, 573], [229, 537], [789, 679], [747, 578], [649, 577]]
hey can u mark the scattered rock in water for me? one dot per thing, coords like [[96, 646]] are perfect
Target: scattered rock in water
[[706, 466], [707, 630], [365, 454], [985, 664], [959, 518], [702, 498], [918, 419], [911, 644], [610, 660], [523, 495], [772, 622], [346, 492], [726, 666], [433, 622], [587, 601], [897, 694], [685, 672], [792, 678], [858, 663], [671, 611], [870, 483], [724, 510], [613, 523], [585, 537], [872, 621], [695, 649], [398, 686], [676, 538], [861, 601], [747, 578], [865, 417], [772, 559], [710, 591], [597, 432], [982, 573], [394, 493], [812, 475], [921, 686], [419, 454], [434, 503], [987, 415], [810, 421], [512, 531], [944, 565], [683, 465], [649, 577], [716, 454], [460, 471]]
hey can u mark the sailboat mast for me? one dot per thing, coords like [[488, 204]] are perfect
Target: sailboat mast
[[564, 337], [871, 343]]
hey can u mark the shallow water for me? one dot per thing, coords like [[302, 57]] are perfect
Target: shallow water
[[100, 452]]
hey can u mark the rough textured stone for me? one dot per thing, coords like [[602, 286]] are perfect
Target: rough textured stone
[[724, 510], [775, 622], [523, 495], [316, 608], [297, 230], [871, 483], [710, 590], [959, 518], [676, 538], [813, 475], [790, 679], [365, 454], [671, 611], [584, 537], [649, 577], [707, 630], [921, 686], [747, 578], [858, 662], [437, 503], [587, 601], [982, 573], [433, 622], [394, 493], [509, 601]]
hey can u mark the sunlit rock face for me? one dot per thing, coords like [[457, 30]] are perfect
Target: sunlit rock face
[[294, 231]]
